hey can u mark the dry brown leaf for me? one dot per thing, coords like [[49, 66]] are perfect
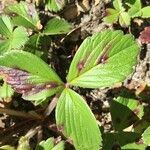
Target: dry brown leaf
[[145, 35], [70, 12]]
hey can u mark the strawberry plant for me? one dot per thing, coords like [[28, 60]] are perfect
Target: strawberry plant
[[124, 11], [14, 35], [99, 62]]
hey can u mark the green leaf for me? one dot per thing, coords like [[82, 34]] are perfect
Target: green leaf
[[76, 120], [36, 45], [118, 13], [103, 60], [135, 9], [112, 15], [33, 78], [6, 92], [11, 39], [125, 111], [118, 5], [59, 146], [146, 136], [134, 146], [146, 12], [122, 140], [46, 145], [124, 19], [55, 5], [6, 28], [26, 15], [32, 45], [57, 26], [18, 38], [49, 145]]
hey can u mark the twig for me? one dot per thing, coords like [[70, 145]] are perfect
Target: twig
[[51, 106], [19, 113]]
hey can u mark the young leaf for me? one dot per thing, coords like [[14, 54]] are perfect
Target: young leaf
[[55, 5], [124, 19], [125, 112], [103, 60], [57, 26], [49, 145], [29, 75], [135, 9], [112, 15], [118, 5], [46, 145], [146, 137], [25, 15], [77, 122], [118, 13], [6, 92]]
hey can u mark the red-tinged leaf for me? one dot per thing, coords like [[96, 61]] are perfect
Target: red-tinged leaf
[[145, 35], [103, 60], [19, 81]]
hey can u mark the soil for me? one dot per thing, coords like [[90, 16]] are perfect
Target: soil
[[87, 20]]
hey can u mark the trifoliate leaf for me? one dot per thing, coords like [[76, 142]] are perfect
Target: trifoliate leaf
[[146, 136], [25, 15], [57, 26], [112, 15], [55, 5], [75, 119], [103, 60], [29, 75]]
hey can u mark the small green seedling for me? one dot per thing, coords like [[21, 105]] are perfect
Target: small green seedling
[[102, 60], [125, 11]]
